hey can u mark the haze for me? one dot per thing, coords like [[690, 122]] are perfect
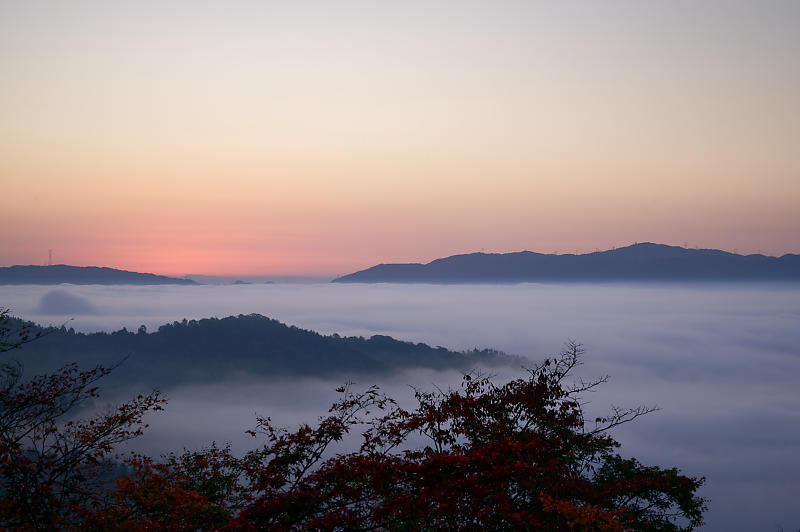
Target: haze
[[722, 362]]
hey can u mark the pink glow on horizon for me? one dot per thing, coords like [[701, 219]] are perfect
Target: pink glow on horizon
[[256, 139]]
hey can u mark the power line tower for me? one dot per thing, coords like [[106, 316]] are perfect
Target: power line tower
[[49, 257]]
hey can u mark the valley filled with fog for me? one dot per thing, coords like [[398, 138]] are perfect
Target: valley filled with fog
[[720, 360]]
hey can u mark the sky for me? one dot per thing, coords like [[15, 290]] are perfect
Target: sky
[[318, 138]]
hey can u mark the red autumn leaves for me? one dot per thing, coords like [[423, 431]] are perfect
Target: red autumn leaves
[[513, 456]]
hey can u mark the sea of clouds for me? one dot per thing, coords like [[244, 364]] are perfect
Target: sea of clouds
[[721, 361]]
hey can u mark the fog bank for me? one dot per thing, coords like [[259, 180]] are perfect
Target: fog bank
[[722, 363]]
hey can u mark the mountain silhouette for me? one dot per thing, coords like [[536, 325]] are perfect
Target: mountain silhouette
[[208, 349], [63, 273], [639, 262]]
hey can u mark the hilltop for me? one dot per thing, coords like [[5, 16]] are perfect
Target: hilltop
[[210, 348], [62, 273], [639, 262]]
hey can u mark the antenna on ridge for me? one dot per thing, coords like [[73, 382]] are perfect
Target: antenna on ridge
[[49, 257]]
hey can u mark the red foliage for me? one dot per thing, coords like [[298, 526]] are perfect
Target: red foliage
[[513, 456], [160, 497], [516, 456], [53, 468]]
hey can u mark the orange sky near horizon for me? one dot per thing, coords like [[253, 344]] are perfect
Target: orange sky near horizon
[[250, 138]]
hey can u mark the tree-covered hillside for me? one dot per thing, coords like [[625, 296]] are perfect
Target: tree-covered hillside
[[210, 348]]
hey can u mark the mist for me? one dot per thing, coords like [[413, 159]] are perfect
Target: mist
[[720, 360]]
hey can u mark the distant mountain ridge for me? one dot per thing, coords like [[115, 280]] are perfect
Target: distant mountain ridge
[[638, 262], [211, 348], [63, 273]]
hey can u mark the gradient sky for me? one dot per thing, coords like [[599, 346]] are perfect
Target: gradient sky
[[316, 138]]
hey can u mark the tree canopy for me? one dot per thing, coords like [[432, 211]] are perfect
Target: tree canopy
[[485, 455]]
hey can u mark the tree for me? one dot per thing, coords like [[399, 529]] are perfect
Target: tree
[[13, 338], [198, 490], [53, 468], [511, 456]]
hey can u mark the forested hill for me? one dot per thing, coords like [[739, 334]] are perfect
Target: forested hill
[[209, 349], [62, 273], [640, 262]]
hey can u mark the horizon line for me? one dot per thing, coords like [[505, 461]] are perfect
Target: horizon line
[[318, 276]]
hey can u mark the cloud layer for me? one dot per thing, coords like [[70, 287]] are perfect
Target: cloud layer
[[721, 362], [60, 303]]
